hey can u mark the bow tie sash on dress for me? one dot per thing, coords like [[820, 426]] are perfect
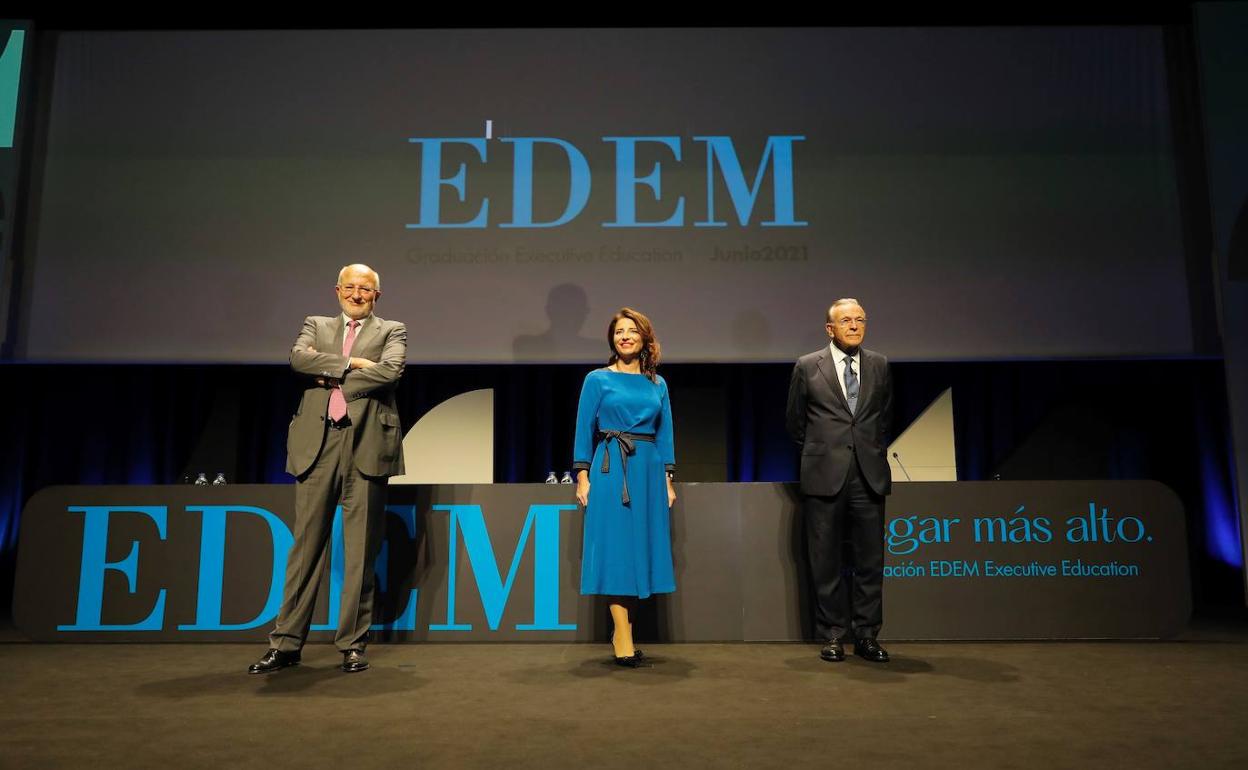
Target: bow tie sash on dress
[[627, 447]]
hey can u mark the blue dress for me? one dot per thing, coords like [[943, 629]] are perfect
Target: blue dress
[[628, 546]]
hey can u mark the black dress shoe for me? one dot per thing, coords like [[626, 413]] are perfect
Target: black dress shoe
[[833, 651], [869, 649], [274, 660], [353, 661]]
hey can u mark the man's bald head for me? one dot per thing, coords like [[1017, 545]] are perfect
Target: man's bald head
[[360, 268]]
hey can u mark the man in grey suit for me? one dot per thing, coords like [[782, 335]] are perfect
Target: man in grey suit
[[344, 442], [840, 411]]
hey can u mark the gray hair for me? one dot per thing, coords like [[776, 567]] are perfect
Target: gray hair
[[840, 302]]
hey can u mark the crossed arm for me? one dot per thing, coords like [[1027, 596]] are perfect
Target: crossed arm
[[365, 377], [357, 376]]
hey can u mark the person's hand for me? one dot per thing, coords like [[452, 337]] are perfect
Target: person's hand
[[671, 494], [327, 382], [361, 363], [582, 488]]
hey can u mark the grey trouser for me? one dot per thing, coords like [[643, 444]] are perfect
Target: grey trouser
[[333, 480]]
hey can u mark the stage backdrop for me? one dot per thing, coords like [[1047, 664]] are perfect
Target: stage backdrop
[[987, 193], [500, 562]]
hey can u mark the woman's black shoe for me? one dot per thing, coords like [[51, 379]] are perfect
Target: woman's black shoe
[[630, 662]]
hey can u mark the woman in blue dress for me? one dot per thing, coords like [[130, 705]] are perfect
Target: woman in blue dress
[[624, 460]]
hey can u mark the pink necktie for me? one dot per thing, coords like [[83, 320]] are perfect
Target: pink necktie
[[337, 401]]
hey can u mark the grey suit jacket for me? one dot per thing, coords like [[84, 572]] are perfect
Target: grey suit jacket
[[831, 437], [369, 393]]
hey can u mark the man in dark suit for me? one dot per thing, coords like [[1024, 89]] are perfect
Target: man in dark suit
[[344, 442], [840, 411]]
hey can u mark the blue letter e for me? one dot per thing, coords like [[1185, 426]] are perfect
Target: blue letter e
[[95, 563]]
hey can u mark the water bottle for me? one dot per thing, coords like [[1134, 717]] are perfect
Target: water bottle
[[566, 478], [201, 480], [551, 478], [219, 481]]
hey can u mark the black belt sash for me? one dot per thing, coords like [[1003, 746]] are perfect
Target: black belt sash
[[627, 447]]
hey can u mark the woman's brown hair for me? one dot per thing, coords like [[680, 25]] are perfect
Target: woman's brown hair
[[649, 343]]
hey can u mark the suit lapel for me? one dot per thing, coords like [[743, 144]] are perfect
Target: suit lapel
[[865, 378], [828, 367], [367, 331], [337, 327]]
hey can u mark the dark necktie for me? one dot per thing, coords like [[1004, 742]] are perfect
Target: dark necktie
[[851, 384]]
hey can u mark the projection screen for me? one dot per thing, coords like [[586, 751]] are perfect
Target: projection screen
[[985, 193]]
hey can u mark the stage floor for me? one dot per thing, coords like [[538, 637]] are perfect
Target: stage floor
[[1018, 705]]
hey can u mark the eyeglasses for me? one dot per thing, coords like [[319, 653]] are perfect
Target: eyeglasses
[[365, 291], [845, 322]]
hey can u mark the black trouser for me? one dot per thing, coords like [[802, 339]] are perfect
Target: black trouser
[[855, 514]]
